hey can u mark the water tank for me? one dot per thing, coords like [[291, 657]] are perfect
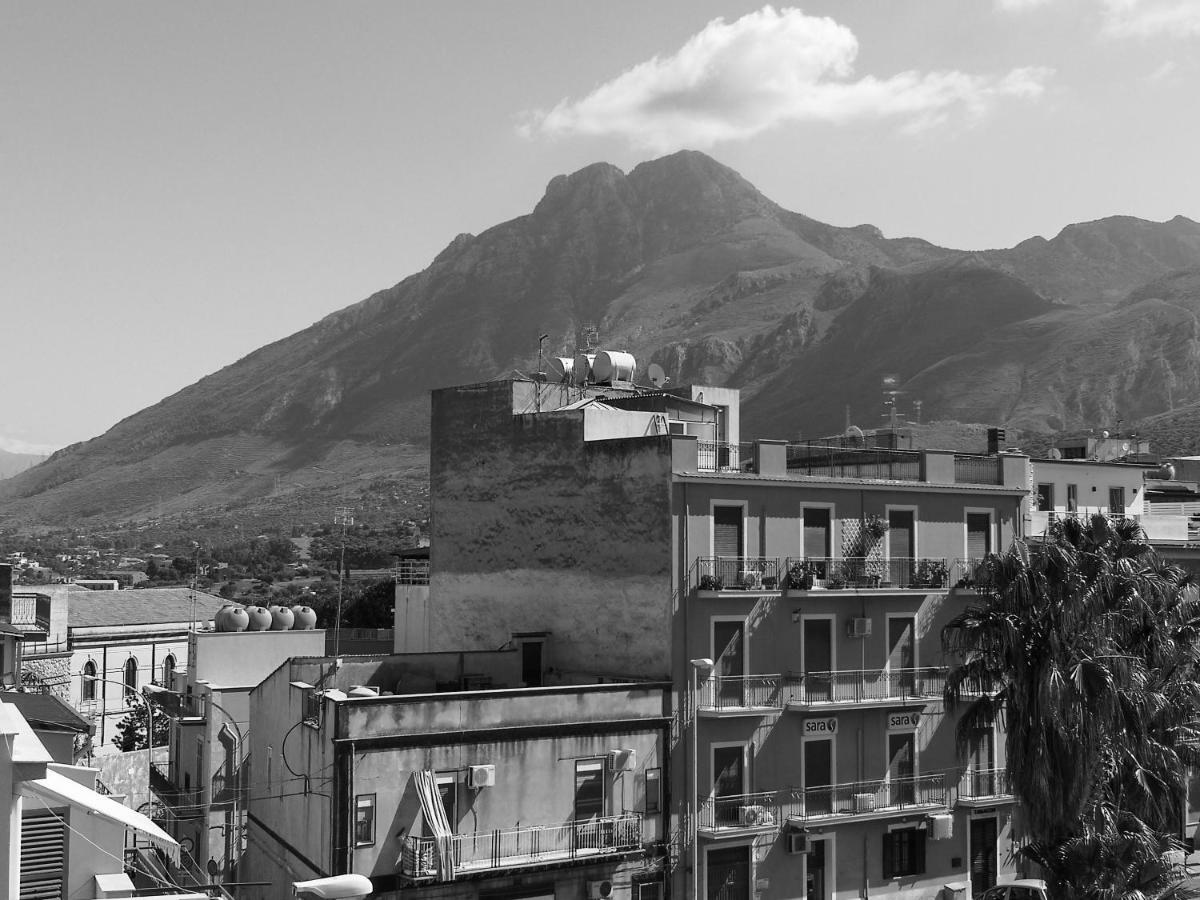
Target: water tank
[[260, 618], [560, 368], [231, 618], [613, 365], [282, 618], [581, 369], [1167, 472], [306, 618], [362, 690]]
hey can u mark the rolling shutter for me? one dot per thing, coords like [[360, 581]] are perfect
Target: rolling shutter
[[979, 535], [43, 856], [727, 531], [816, 533]]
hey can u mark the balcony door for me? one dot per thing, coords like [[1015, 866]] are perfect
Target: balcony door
[[901, 545], [818, 538], [902, 655], [902, 766], [981, 762], [979, 535], [728, 534], [817, 650], [983, 855], [729, 653], [727, 873], [729, 771], [818, 776]]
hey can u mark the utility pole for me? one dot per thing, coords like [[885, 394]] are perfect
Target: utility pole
[[341, 515]]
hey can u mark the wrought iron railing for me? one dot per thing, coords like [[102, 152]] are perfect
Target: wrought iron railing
[[830, 462], [739, 811], [966, 571], [32, 649], [977, 469], [917, 573], [864, 798], [488, 850], [741, 691], [411, 571], [719, 456], [865, 686], [984, 783], [737, 573]]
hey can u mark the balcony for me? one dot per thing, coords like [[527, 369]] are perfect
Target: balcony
[[411, 571], [861, 800], [864, 572], [534, 845], [178, 706], [28, 614], [984, 787], [183, 804], [725, 696], [738, 815], [736, 573], [718, 456], [859, 688]]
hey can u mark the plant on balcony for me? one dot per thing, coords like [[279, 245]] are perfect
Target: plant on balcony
[[711, 583], [1089, 641], [932, 573], [800, 576]]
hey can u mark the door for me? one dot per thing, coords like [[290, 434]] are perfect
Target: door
[[815, 879], [590, 825], [1116, 501], [729, 784], [1072, 497], [818, 660], [981, 761], [901, 546], [1045, 497], [817, 539], [983, 855], [818, 777], [728, 541], [531, 663], [902, 655], [727, 874], [729, 641], [902, 758]]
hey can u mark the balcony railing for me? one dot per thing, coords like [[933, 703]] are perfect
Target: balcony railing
[[977, 470], [483, 851], [732, 692], [838, 573], [717, 456], [32, 610], [984, 784], [737, 573], [411, 571], [832, 462], [739, 811], [966, 571], [31, 649], [850, 686], [867, 798]]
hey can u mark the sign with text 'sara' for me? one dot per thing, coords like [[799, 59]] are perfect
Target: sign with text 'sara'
[[820, 726], [903, 721]]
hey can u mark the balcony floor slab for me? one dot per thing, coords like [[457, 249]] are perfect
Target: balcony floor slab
[[734, 712], [845, 817]]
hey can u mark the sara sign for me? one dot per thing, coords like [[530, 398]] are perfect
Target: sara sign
[[902, 721], [820, 726]]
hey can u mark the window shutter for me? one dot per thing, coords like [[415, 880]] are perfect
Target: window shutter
[[979, 527], [43, 846], [919, 852], [888, 843], [727, 531]]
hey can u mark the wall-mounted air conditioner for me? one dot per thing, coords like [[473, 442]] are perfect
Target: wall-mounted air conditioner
[[599, 890], [864, 802], [755, 815], [481, 776], [622, 760], [797, 842], [941, 827], [859, 627]]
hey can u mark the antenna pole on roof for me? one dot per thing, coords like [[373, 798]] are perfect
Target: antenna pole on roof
[[541, 372]]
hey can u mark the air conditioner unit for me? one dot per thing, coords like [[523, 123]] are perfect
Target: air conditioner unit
[[859, 627], [864, 802], [599, 890], [755, 815], [797, 842], [481, 776], [941, 827], [622, 760]]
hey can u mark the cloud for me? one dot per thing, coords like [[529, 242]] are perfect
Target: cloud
[[1150, 18], [1019, 5], [1163, 72], [734, 80]]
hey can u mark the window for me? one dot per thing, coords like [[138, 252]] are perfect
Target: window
[[728, 534], [904, 853], [168, 670], [89, 682], [364, 820], [979, 535], [1045, 497], [653, 791], [130, 676], [648, 890], [1072, 497], [589, 789], [1116, 501], [447, 786]]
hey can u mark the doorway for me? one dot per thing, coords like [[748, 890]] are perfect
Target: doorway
[[727, 873], [818, 776], [729, 651], [817, 650], [983, 854], [818, 871]]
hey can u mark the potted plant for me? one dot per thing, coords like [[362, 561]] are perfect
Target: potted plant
[[800, 576], [711, 583]]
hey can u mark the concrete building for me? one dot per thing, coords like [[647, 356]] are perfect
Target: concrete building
[[436, 777], [792, 594]]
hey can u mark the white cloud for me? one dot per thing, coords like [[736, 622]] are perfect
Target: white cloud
[[733, 80], [1019, 5], [1150, 18], [1163, 72]]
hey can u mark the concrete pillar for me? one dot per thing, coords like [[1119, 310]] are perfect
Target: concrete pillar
[[937, 466], [770, 457], [1014, 470], [685, 453]]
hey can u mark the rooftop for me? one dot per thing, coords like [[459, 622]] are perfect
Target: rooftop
[[47, 711], [140, 606]]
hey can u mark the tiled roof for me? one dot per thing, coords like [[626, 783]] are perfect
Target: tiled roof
[[46, 710], [139, 606]]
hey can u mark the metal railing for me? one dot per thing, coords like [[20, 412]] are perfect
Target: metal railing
[[31, 649], [719, 456], [488, 850], [829, 462], [26, 609], [741, 691], [966, 571], [977, 469], [411, 571], [865, 686], [737, 573], [739, 811], [868, 797], [866, 572], [984, 783]]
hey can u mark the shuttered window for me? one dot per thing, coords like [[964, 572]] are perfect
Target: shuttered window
[[904, 853], [43, 856], [979, 535], [816, 533], [727, 531]]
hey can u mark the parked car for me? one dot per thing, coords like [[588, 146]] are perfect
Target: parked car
[[1021, 889]]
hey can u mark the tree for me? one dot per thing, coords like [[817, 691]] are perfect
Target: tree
[[131, 730], [1086, 644]]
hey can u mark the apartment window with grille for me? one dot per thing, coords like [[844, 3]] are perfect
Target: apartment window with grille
[[653, 791], [904, 853], [364, 820]]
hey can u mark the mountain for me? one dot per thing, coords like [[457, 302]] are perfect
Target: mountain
[[683, 262], [14, 463]]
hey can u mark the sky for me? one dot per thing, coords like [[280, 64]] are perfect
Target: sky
[[185, 183]]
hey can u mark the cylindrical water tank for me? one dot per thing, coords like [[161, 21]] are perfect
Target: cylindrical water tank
[[306, 618], [231, 618], [260, 618], [560, 368], [282, 618], [613, 365], [581, 369]]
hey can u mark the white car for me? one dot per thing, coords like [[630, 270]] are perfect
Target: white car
[[1021, 889]]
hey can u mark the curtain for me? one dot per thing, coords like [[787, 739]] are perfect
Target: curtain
[[435, 818]]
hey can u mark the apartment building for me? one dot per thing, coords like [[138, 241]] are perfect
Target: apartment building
[[437, 776], [792, 594]]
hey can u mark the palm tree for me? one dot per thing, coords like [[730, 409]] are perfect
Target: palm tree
[[1086, 644]]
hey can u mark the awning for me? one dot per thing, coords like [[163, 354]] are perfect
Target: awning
[[58, 789]]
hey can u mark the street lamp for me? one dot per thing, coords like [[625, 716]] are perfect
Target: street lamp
[[705, 665]]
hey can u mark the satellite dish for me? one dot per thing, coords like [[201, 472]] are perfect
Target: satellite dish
[[855, 435], [1104, 434], [656, 374], [1055, 453], [1125, 447]]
